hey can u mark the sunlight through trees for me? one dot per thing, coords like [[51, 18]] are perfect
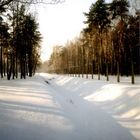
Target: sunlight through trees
[[109, 45]]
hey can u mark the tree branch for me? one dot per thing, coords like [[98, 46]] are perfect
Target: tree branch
[[4, 3]]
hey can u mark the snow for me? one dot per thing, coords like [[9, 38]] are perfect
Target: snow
[[59, 107]]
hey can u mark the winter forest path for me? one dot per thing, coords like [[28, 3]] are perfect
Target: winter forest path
[[39, 109]]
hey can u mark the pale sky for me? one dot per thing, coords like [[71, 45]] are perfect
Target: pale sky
[[60, 23]]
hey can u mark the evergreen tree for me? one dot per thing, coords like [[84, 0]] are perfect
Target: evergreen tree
[[119, 10], [98, 18], [32, 38], [4, 38]]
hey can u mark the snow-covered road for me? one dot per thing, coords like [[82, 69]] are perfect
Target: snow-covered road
[[32, 109]]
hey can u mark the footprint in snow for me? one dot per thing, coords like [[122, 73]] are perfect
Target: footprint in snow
[[71, 101]]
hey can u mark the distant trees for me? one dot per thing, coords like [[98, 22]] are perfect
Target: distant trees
[[109, 45]]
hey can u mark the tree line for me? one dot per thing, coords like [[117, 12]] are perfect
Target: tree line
[[19, 40], [108, 45]]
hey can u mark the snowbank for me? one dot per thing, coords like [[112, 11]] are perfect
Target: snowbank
[[119, 100], [54, 107]]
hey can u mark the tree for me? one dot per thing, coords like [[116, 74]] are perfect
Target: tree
[[119, 10], [98, 18], [25, 42], [32, 38], [132, 42], [4, 36]]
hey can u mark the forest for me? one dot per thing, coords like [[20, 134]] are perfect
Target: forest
[[108, 45], [19, 40]]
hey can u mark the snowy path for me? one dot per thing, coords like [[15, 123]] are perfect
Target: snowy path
[[35, 110]]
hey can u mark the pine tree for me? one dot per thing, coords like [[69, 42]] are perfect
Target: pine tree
[[98, 18], [119, 9]]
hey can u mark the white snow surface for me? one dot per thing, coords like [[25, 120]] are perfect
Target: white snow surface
[[59, 107]]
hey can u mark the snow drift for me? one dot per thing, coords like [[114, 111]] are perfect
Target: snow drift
[[119, 100], [54, 107]]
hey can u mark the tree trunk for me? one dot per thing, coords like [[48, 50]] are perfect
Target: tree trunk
[[92, 69], [4, 67], [1, 63], [118, 72], [16, 65], [107, 76], [132, 67], [132, 72]]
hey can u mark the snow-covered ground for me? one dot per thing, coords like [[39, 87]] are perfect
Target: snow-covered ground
[[53, 107]]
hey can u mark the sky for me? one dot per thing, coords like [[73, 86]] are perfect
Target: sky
[[60, 23]]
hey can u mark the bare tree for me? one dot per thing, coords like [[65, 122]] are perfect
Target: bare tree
[[5, 3]]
